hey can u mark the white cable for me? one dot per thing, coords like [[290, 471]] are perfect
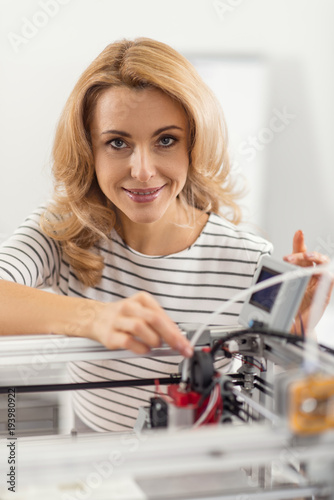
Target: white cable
[[311, 355], [211, 403], [281, 278], [256, 406]]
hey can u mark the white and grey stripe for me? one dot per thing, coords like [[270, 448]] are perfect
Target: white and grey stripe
[[189, 285]]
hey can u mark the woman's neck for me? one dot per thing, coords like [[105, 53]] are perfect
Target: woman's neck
[[163, 237]]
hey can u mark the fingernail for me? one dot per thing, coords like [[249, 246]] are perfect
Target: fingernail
[[310, 255], [188, 351], [289, 258]]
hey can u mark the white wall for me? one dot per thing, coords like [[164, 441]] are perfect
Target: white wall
[[295, 37]]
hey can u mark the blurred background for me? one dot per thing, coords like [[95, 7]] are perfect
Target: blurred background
[[269, 61]]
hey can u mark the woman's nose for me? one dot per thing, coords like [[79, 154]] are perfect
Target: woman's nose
[[142, 167]]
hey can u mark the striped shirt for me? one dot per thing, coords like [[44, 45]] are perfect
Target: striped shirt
[[190, 285]]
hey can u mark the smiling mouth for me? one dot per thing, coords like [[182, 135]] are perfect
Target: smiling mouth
[[143, 195], [143, 192]]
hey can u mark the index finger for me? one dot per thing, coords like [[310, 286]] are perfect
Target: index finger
[[298, 243], [164, 326]]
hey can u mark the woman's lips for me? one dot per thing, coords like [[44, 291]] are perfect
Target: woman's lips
[[142, 195]]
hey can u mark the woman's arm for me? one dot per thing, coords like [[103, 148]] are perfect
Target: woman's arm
[[137, 323]]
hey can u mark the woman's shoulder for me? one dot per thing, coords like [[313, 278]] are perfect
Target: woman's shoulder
[[32, 227], [33, 220], [35, 216], [220, 228]]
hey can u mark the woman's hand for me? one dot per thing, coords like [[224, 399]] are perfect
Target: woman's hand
[[137, 323], [301, 257]]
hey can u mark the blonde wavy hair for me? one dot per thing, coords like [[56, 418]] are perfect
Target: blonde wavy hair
[[80, 214]]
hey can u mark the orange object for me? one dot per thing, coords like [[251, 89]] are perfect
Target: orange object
[[311, 404]]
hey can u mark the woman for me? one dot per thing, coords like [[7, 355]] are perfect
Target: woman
[[141, 171]]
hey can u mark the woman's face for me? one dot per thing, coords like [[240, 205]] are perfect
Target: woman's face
[[140, 147]]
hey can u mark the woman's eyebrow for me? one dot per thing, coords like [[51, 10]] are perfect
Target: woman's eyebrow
[[163, 129], [126, 134], [117, 132]]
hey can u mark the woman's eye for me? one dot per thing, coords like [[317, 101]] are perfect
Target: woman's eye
[[117, 144], [167, 141]]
